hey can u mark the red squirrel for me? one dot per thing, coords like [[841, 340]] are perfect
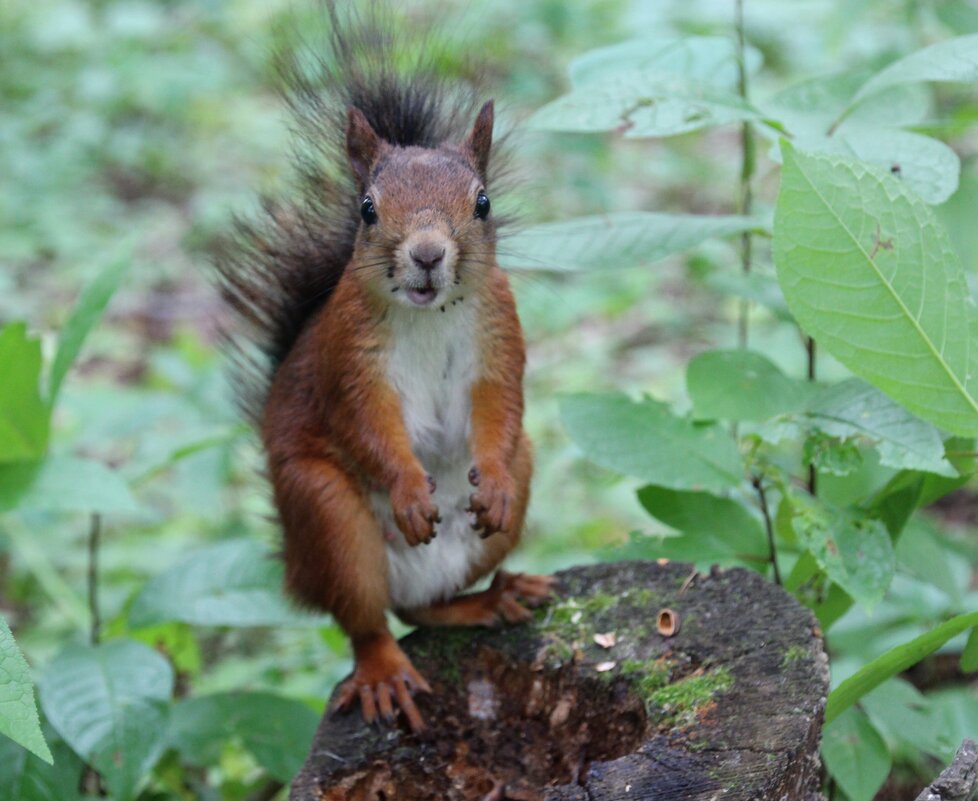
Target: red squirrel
[[387, 373]]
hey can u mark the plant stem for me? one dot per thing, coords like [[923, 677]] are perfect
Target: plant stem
[[772, 549], [94, 536], [812, 472], [745, 204]]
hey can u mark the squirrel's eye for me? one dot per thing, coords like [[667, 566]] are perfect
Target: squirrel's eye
[[368, 212], [482, 205]]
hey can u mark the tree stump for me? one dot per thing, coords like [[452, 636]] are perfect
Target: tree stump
[[590, 702]]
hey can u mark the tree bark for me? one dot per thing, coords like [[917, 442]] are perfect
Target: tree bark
[[959, 780], [590, 702]]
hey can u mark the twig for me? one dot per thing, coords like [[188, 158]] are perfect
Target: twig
[[812, 472], [94, 537], [772, 549], [747, 163], [959, 780]]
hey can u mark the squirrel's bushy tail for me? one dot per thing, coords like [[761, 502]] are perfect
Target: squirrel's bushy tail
[[277, 268]]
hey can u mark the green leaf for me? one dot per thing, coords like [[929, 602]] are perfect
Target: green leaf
[[24, 417], [958, 710], [855, 755], [853, 409], [741, 385], [869, 273], [276, 730], [109, 703], [809, 108], [640, 104], [232, 583], [906, 715], [624, 239], [831, 456], [25, 777], [64, 484], [894, 661], [714, 529], [869, 133], [855, 552], [18, 712], [969, 656], [753, 286], [921, 554], [951, 60], [927, 166], [86, 314], [708, 59], [644, 439]]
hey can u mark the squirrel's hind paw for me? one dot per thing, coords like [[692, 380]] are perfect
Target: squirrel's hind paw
[[383, 680]]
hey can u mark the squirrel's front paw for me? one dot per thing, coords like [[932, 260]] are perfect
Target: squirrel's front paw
[[414, 511], [493, 502]]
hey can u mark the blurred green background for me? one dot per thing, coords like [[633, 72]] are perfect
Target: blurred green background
[[132, 130]]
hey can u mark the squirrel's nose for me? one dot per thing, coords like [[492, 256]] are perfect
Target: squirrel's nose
[[428, 255]]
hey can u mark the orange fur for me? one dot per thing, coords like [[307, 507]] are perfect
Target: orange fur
[[333, 425]]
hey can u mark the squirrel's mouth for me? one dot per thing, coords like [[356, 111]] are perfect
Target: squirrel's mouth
[[422, 296]]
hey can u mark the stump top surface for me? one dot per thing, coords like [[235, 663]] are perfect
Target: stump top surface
[[730, 706]]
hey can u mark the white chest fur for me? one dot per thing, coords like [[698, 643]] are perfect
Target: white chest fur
[[432, 363]]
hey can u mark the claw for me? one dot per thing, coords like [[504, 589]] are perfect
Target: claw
[[381, 682]]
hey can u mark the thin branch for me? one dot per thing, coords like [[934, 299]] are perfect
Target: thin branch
[[747, 163], [812, 472], [772, 549], [94, 537]]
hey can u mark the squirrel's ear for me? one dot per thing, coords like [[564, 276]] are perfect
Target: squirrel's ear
[[362, 145], [480, 140]]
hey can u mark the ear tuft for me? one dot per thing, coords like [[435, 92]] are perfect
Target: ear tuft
[[479, 141], [362, 145]]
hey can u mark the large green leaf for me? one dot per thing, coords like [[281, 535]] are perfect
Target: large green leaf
[[905, 714], [23, 414], [741, 385], [86, 314], [109, 703], [640, 103], [871, 132], [25, 777], [276, 730], [708, 59], [64, 484], [869, 273], [232, 583], [894, 661], [809, 108], [951, 60], [926, 165], [745, 386], [855, 755], [713, 529], [625, 239], [852, 409], [644, 439], [18, 712], [855, 552]]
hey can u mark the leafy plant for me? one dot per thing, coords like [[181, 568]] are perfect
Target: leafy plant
[[131, 518], [814, 482]]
